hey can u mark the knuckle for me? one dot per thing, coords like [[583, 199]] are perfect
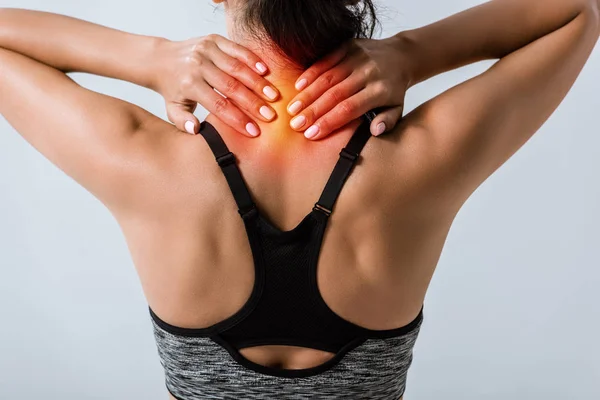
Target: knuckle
[[381, 90], [347, 107], [195, 59], [220, 105], [187, 82], [255, 103], [232, 85], [236, 66], [336, 95], [324, 126], [312, 74], [245, 55], [367, 71], [328, 78], [258, 85], [375, 68], [200, 46], [310, 115], [371, 69]]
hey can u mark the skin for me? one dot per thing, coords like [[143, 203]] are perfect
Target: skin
[[362, 75], [193, 68], [390, 223]]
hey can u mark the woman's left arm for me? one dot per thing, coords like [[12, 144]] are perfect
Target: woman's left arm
[[106, 144], [183, 72], [73, 45], [92, 137]]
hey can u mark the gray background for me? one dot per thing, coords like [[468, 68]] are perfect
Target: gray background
[[513, 310]]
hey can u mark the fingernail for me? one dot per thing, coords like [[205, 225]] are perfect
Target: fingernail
[[298, 122], [301, 84], [189, 127], [380, 128], [270, 92], [311, 132], [261, 67], [295, 107], [252, 129], [267, 112]]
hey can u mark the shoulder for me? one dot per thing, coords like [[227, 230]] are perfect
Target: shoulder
[[167, 168], [418, 172]]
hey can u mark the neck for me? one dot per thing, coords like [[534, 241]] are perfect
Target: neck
[[282, 74], [278, 130]]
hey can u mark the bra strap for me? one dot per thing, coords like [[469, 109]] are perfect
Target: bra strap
[[227, 161], [348, 157]]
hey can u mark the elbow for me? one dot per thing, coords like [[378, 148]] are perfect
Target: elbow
[[593, 10]]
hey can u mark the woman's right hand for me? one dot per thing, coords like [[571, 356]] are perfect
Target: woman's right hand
[[188, 71]]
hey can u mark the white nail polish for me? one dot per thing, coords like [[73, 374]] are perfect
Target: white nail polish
[[251, 129], [270, 92], [311, 132], [298, 122], [189, 127], [267, 112], [261, 67], [301, 84], [295, 107]]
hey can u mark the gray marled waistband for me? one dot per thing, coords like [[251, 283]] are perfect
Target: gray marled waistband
[[197, 368]]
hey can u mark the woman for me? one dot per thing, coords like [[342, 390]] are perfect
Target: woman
[[295, 299]]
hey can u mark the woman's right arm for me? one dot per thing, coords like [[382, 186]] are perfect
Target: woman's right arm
[[476, 126]]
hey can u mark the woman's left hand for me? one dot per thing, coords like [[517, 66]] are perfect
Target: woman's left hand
[[191, 71], [361, 75]]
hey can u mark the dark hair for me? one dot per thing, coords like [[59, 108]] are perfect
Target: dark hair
[[306, 30]]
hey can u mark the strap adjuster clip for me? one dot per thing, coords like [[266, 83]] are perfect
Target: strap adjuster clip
[[370, 115], [226, 159], [323, 209], [349, 155], [250, 212]]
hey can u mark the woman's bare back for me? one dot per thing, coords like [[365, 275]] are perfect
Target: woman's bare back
[[379, 251]]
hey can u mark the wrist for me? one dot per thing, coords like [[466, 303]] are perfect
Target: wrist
[[405, 43], [150, 62]]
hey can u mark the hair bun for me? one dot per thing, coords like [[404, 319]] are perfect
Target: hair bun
[[306, 30]]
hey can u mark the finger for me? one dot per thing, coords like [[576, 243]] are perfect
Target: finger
[[239, 70], [234, 89], [322, 65], [330, 99], [225, 110], [386, 120], [319, 87], [342, 114], [241, 53], [181, 115]]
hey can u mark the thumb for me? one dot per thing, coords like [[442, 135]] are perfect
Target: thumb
[[386, 120], [182, 116]]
